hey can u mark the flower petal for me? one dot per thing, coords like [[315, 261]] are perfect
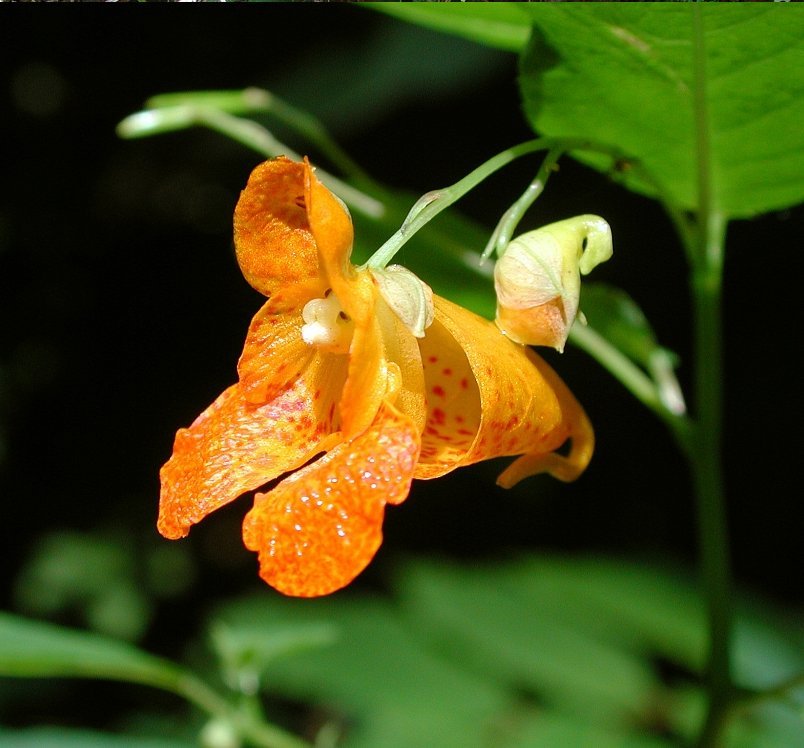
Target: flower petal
[[547, 324], [575, 425], [319, 528], [331, 225], [235, 446], [402, 354], [453, 402], [275, 246], [368, 380], [525, 407], [274, 354]]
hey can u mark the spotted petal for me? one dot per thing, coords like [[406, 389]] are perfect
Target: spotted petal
[[331, 226], [319, 528], [453, 402], [275, 247], [523, 408], [274, 354], [235, 446]]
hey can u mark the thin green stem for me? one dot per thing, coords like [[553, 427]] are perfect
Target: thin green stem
[[705, 457], [247, 723], [244, 131], [432, 203], [630, 376], [505, 228], [254, 100]]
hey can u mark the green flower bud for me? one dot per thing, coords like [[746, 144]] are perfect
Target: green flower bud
[[538, 278]]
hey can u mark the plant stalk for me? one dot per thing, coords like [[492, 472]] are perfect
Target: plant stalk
[[705, 454], [705, 458]]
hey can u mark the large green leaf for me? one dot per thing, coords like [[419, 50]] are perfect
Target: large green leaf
[[625, 74]]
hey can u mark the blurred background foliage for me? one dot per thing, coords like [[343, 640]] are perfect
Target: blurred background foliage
[[547, 615]]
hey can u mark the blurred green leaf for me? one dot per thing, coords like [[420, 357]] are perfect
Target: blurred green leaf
[[91, 573], [551, 730], [246, 653], [532, 634], [502, 25], [622, 74], [55, 737], [768, 726], [616, 316], [387, 689], [592, 637], [537, 651], [32, 649]]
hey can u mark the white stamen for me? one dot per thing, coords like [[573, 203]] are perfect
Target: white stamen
[[326, 325]]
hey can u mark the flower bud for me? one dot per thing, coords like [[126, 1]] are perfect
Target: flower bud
[[538, 278]]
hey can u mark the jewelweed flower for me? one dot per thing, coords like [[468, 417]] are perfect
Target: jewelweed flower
[[351, 383], [538, 278]]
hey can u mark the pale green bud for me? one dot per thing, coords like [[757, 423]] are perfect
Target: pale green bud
[[538, 278]]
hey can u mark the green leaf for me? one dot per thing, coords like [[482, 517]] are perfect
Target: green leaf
[[54, 737], [502, 25], [32, 649], [246, 653], [376, 676], [584, 635], [89, 572], [526, 625], [624, 74], [539, 651]]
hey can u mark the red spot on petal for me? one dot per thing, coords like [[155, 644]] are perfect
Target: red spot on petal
[[439, 415], [438, 391], [464, 383], [432, 359], [447, 372]]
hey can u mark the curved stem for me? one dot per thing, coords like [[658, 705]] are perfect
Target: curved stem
[[255, 100], [506, 226], [431, 204]]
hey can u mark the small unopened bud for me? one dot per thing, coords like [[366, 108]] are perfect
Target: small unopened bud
[[409, 297], [538, 278]]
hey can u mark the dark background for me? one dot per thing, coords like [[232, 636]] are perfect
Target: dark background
[[123, 311]]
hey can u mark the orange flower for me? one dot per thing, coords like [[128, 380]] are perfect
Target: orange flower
[[340, 403]]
